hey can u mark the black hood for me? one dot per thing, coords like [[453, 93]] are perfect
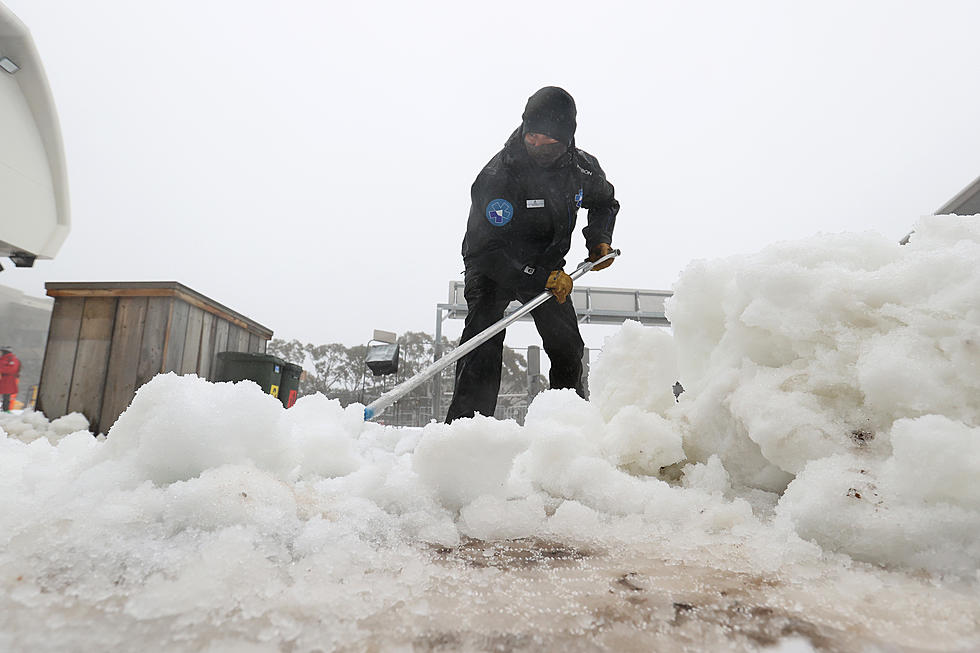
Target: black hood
[[551, 111], [516, 156]]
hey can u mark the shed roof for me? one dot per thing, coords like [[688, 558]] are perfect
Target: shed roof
[[155, 289]]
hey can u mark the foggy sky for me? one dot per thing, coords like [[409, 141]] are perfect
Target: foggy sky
[[308, 164]]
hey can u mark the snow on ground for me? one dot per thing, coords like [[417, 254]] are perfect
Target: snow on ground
[[813, 489], [29, 425]]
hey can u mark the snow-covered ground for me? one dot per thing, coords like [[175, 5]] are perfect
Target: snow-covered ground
[[814, 488]]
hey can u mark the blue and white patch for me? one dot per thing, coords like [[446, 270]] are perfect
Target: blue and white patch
[[578, 198], [500, 212]]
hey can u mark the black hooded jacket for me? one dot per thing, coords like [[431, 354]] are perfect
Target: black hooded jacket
[[522, 216]]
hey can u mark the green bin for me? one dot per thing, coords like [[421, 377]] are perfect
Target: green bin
[[289, 387], [264, 369]]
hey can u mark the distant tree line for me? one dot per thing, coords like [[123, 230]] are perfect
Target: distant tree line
[[339, 372]]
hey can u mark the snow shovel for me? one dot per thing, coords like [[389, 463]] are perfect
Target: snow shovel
[[378, 406]]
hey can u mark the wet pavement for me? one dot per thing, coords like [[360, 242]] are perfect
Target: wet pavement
[[533, 595]]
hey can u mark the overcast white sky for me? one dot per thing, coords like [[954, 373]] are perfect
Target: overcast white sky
[[308, 163]]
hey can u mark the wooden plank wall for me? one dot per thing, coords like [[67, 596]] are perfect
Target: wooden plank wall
[[207, 345], [92, 357], [220, 343], [124, 358], [152, 342], [237, 338], [101, 350], [59, 356], [192, 341], [176, 336]]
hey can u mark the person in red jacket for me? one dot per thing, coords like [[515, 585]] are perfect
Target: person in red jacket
[[9, 375]]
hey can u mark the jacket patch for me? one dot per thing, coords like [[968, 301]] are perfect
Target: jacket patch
[[578, 198], [535, 204], [499, 212]]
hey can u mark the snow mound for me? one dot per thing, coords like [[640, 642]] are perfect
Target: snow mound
[[831, 398], [30, 425], [851, 364], [811, 348], [918, 509]]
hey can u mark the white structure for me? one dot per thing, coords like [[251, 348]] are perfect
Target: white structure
[[34, 219], [966, 202]]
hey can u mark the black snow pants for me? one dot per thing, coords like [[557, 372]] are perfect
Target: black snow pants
[[478, 373]]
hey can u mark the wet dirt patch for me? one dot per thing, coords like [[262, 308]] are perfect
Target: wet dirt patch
[[716, 606], [759, 624], [521, 553], [539, 595]]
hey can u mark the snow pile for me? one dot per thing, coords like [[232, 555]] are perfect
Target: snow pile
[[632, 386], [838, 371], [918, 508], [30, 425], [208, 508], [478, 478], [851, 364], [200, 513], [814, 347]]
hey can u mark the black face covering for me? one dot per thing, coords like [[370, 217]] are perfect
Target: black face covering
[[545, 155]]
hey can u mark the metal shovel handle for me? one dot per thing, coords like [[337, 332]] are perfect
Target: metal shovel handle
[[376, 407]]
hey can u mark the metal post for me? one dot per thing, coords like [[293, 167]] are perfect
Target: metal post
[[533, 360], [534, 385], [585, 372]]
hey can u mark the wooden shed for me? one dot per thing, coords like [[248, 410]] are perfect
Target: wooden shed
[[107, 339]]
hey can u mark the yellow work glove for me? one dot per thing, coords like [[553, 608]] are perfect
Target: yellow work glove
[[560, 284], [597, 252]]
